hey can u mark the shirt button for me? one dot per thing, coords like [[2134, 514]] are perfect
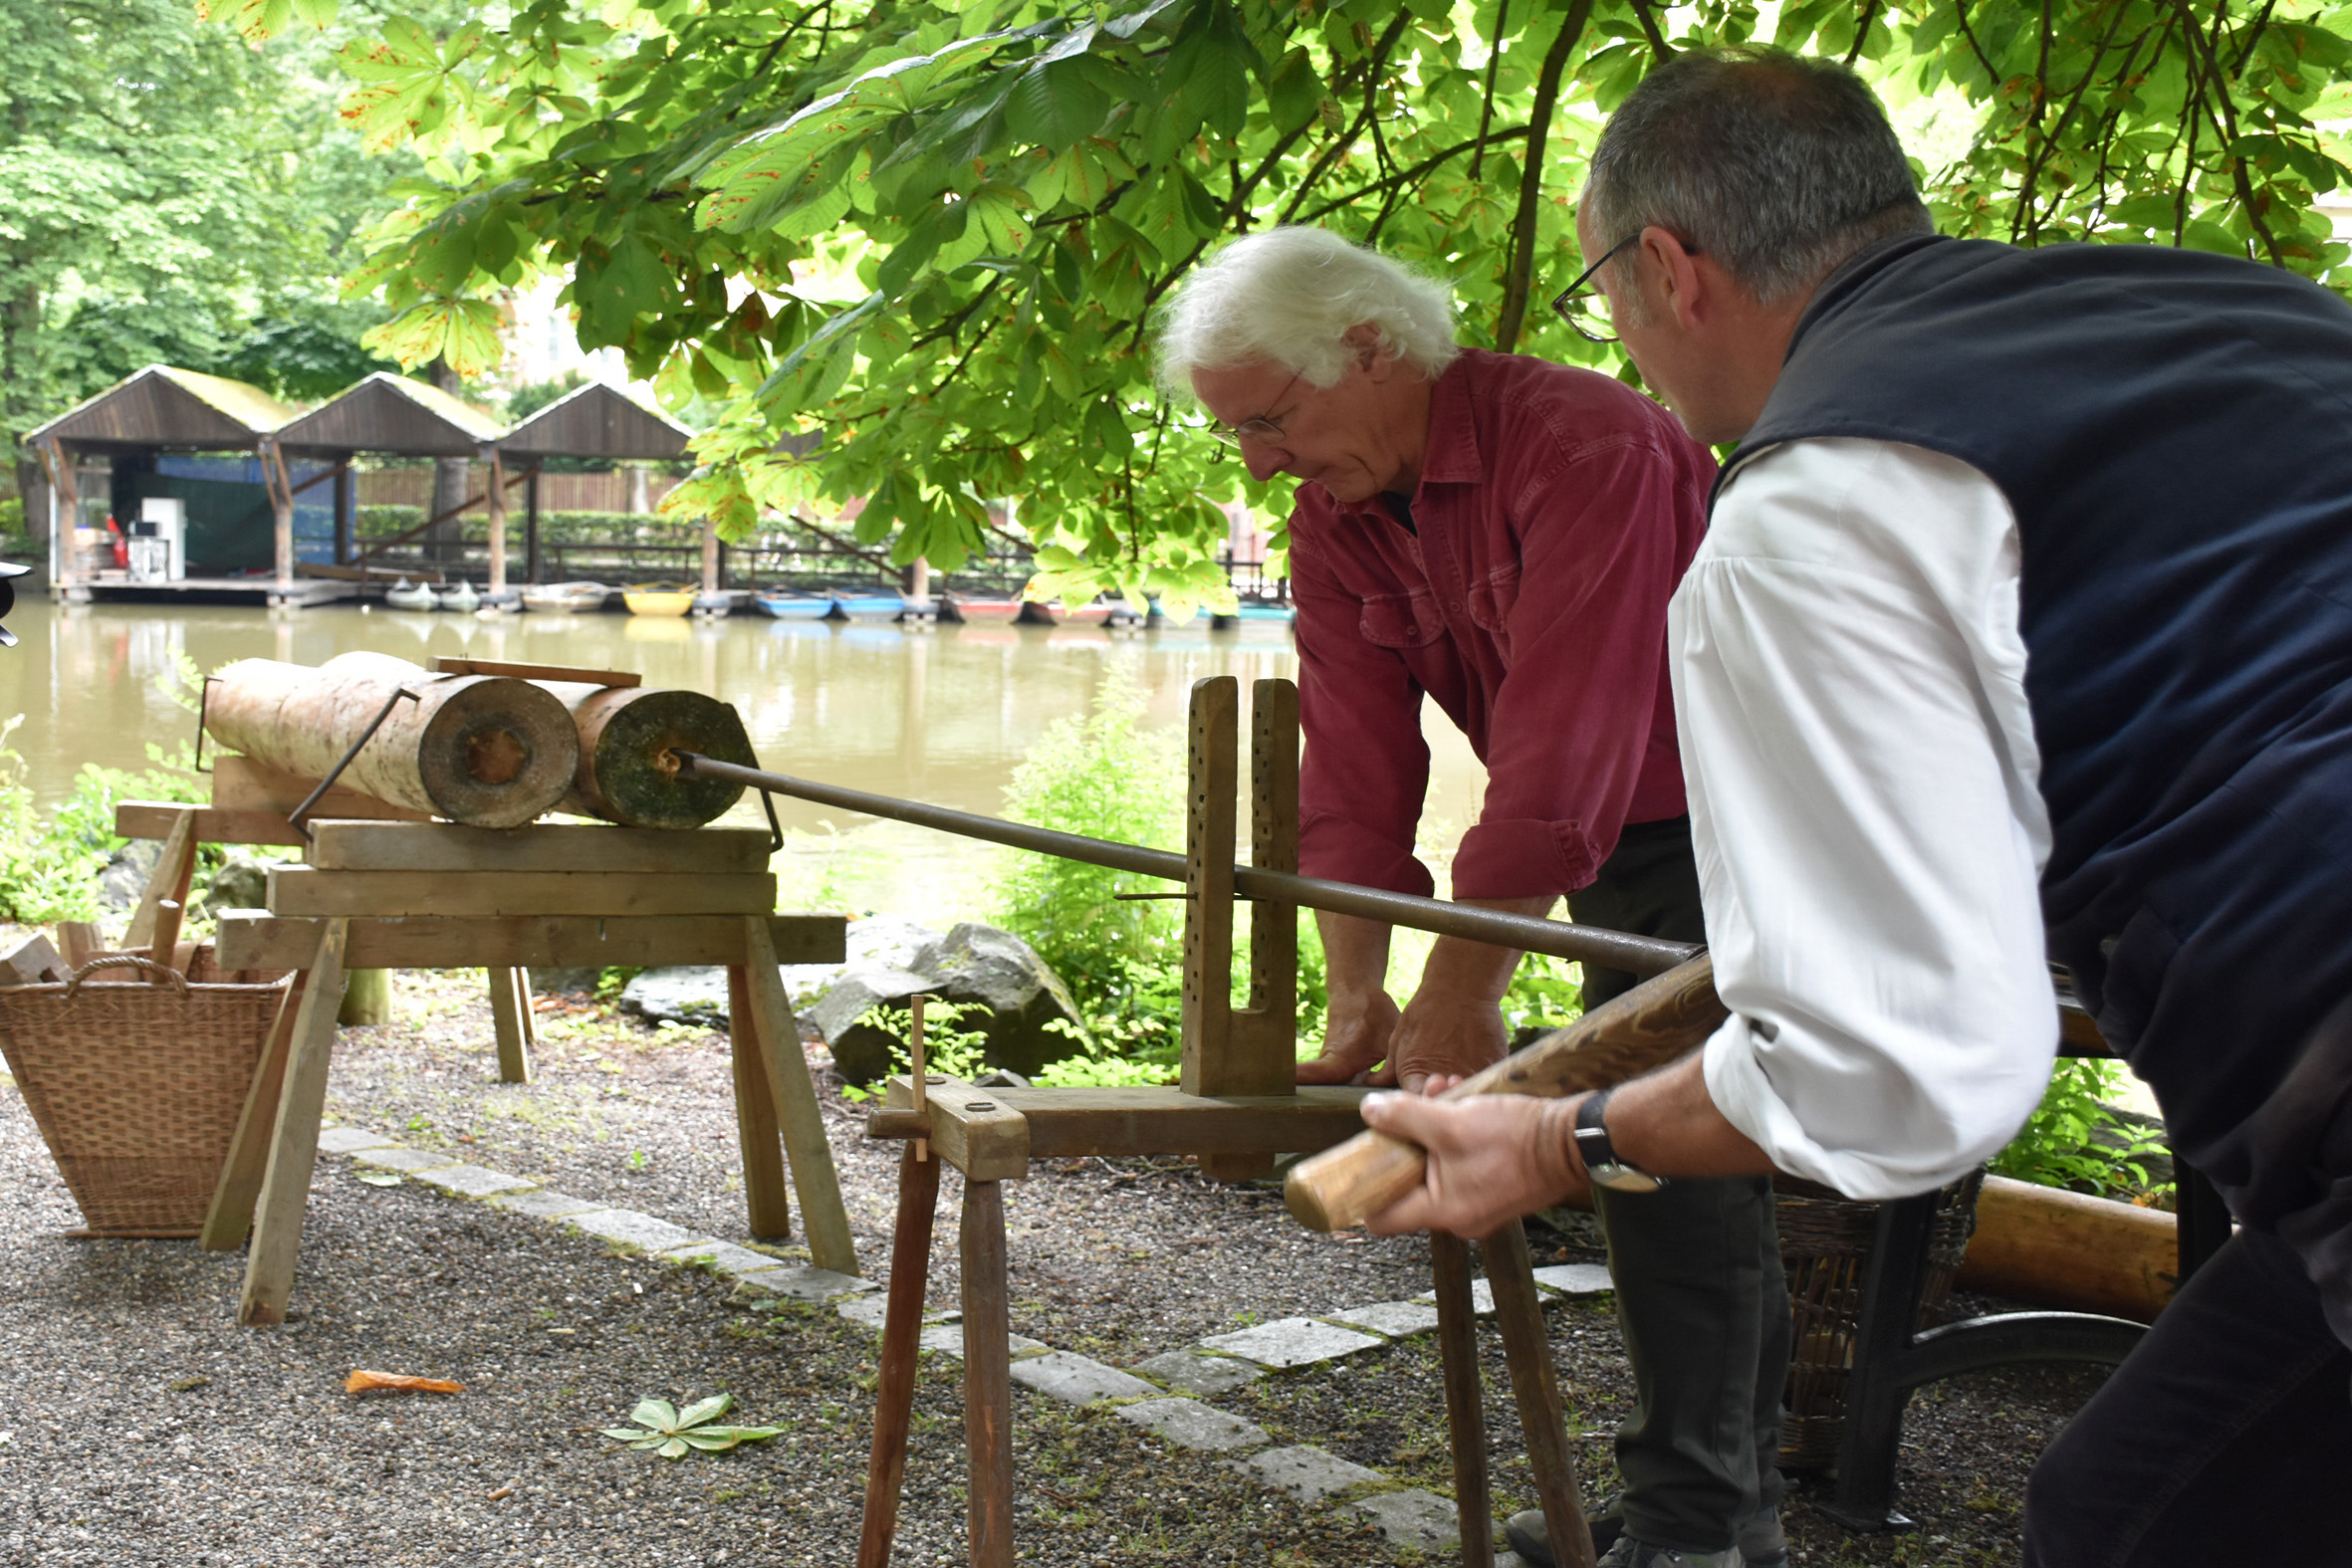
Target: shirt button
[[1412, 631], [1456, 607]]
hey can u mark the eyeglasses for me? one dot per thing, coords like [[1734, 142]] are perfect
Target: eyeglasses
[[1587, 313], [1261, 428]]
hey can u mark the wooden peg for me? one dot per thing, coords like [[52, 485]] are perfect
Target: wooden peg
[[922, 1075]]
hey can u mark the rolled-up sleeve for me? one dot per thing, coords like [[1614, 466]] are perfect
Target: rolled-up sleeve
[[1575, 721], [1365, 764], [1859, 758]]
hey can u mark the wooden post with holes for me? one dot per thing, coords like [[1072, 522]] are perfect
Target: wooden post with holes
[[1210, 781]]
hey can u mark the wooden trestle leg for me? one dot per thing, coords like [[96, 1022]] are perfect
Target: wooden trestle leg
[[764, 1189], [902, 1335], [510, 1013], [1527, 1351], [1456, 1342], [294, 1140], [231, 1215], [988, 1377]]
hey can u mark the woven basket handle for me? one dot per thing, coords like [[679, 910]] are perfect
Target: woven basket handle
[[124, 961]]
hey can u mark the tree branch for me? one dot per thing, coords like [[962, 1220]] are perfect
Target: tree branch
[[1960, 9], [1416, 172], [1862, 31], [1649, 26], [1531, 187], [1485, 109]]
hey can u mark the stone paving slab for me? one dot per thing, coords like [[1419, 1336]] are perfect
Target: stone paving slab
[[1395, 1319], [1576, 1279], [869, 1310], [350, 1140], [1413, 1517], [806, 1283], [632, 1228], [1189, 1424], [541, 1203], [471, 1181], [395, 1158], [1079, 1380], [1308, 1474], [1195, 1371], [725, 1256], [947, 1339], [1293, 1342], [1482, 1298]]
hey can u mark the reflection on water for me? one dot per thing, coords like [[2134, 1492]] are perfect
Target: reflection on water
[[942, 713]]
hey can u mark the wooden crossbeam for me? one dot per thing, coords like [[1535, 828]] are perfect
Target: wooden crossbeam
[[308, 891], [993, 1134], [255, 938], [575, 848]]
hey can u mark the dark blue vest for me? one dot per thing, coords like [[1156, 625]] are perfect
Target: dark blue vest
[[2174, 432]]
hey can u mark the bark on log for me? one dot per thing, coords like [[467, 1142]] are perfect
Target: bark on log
[[2071, 1251], [626, 775], [482, 749]]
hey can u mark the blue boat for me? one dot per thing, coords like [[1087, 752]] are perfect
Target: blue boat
[[866, 606], [780, 605], [1266, 609]]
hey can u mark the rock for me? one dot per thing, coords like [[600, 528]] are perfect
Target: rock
[[688, 995], [984, 965], [239, 882], [580, 982], [1001, 1078], [125, 879], [862, 1053], [890, 941]]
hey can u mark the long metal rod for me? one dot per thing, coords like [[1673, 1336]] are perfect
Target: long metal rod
[[1554, 938]]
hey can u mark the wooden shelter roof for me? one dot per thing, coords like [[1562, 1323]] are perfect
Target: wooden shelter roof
[[597, 420], [395, 416], [161, 405]]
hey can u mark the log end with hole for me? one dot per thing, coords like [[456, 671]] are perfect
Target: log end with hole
[[627, 773], [497, 751]]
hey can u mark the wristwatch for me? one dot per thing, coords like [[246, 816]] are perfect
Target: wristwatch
[[1601, 1163]]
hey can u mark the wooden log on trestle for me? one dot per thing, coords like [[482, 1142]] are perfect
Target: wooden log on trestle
[[488, 750], [626, 774]]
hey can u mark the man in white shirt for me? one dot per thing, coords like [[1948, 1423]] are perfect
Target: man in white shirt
[[2025, 618]]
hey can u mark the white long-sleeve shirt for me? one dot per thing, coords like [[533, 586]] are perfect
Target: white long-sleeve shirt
[[1849, 682]]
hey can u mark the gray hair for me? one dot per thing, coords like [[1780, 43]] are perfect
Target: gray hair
[[1777, 166], [1287, 297]]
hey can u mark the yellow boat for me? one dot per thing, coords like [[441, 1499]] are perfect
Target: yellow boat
[[658, 598]]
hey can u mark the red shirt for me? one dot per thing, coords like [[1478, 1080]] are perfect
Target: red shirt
[[1555, 512]]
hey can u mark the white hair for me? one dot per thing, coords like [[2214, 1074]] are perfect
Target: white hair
[[1287, 297]]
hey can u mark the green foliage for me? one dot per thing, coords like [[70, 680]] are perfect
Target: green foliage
[[49, 870], [947, 1047], [661, 1428], [1544, 994], [936, 231], [530, 397], [2074, 1141], [167, 193], [1105, 776]]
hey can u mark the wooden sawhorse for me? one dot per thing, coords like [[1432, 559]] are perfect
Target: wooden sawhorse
[[251, 804], [405, 895], [1237, 1109]]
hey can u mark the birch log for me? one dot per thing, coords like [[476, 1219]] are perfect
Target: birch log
[[484, 749], [626, 734]]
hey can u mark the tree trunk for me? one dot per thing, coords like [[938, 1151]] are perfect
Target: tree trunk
[[626, 736], [366, 997], [444, 545], [483, 750]]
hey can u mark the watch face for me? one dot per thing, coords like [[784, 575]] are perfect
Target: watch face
[[1624, 1179]]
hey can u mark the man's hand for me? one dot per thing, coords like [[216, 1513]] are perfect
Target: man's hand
[[1446, 1034], [1492, 1159], [1357, 1030]]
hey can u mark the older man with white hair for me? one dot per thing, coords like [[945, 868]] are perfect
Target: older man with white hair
[[1502, 535]]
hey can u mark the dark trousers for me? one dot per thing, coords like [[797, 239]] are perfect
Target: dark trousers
[[2224, 1438], [1701, 1298]]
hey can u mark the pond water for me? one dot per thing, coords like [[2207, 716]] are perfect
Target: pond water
[[942, 713]]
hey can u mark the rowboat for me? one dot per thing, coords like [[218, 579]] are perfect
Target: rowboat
[[403, 596], [559, 598], [461, 599], [996, 611], [1094, 614], [866, 606], [1267, 609], [658, 598], [780, 605]]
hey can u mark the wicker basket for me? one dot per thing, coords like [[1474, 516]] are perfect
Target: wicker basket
[[1825, 1242], [137, 1087]]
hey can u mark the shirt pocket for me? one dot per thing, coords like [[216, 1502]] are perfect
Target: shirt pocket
[[1401, 620], [1492, 599]]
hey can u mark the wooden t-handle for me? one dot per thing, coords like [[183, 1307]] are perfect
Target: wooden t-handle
[[1648, 1026]]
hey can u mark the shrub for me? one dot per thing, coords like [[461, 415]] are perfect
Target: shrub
[[2074, 1141]]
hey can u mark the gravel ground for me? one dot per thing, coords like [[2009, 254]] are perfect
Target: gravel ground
[[138, 1425]]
